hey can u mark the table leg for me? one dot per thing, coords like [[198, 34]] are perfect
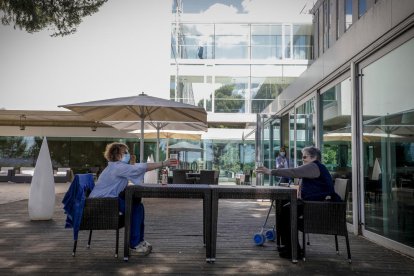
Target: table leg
[[207, 225], [294, 228], [128, 207], [213, 227]]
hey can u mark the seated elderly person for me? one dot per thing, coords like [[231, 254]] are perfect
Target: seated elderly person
[[316, 185]]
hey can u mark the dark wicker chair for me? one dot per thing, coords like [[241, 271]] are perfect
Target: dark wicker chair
[[325, 217], [179, 176], [101, 214], [209, 177]]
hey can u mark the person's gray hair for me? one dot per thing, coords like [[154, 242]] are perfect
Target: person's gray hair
[[313, 152]]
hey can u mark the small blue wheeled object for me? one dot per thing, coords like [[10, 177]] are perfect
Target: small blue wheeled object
[[265, 233]]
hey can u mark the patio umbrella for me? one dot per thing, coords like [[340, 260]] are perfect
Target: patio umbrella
[[186, 147], [139, 108], [176, 130], [169, 134]]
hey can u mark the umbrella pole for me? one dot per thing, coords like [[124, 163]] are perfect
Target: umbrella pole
[[141, 149], [158, 145]]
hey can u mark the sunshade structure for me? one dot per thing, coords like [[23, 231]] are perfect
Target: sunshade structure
[[175, 130], [169, 134], [139, 108], [186, 147]]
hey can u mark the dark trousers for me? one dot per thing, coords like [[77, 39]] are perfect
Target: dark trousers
[[137, 221], [285, 224]]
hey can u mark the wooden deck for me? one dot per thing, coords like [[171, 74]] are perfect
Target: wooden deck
[[174, 227]]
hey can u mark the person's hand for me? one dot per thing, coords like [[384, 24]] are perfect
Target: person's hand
[[263, 170], [133, 159], [167, 163]]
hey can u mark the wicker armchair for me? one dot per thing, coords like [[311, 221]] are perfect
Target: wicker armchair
[[179, 176], [325, 217], [209, 177], [101, 214]]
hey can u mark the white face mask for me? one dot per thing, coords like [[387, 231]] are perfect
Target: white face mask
[[126, 158], [282, 153]]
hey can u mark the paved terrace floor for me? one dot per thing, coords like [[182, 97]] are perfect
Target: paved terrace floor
[[173, 226]]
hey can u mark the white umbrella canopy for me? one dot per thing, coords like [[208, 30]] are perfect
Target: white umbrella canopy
[[176, 130], [139, 108], [164, 126], [169, 134], [185, 147]]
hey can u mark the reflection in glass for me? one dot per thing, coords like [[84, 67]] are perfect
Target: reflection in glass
[[232, 41], [362, 7], [388, 144], [230, 94], [193, 41], [266, 41], [336, 136], [266, 152], [348, 14], [305, 127]]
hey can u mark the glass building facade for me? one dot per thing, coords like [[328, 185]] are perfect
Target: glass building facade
[[359, 111], [236, 68]]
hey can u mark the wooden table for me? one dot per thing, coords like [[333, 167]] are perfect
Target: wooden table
[[170, 191], [246, 192]]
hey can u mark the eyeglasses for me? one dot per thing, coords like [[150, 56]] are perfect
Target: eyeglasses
[[305, 156]]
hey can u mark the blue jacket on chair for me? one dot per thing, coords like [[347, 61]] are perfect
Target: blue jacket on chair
[[74, 201]]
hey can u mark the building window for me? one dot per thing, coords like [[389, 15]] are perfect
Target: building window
[[232, 41], [302, 42], [335, 118], [388, 144], [305, 127], [348, 14], [266, 41], [326, 24], [362, 7]]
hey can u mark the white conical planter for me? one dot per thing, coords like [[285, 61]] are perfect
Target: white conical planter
[[42, 189]]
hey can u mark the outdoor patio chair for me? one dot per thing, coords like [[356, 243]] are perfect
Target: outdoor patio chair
[[326, 217], [98, 213], [6, 174], [209, 177], [179, 176], [248, 177]]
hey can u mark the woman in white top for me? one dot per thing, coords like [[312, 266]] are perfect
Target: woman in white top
[[114, 179]]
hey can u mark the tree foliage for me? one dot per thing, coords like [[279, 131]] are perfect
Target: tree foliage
[[60, 16], [225, 100]]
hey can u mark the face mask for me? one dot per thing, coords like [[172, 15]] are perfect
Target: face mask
[[126, 158], [282, 153]]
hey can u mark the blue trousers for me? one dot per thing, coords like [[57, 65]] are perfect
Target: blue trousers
[[137, 222]]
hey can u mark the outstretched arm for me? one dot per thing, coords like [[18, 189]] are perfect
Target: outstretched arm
[[153, 166], [310, 170]]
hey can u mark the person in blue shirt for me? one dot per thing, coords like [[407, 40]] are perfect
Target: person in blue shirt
[[316, 185], [114, 179]]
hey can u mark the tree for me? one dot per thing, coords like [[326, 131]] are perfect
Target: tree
[[266, 94], [225, 100], [60, 16]]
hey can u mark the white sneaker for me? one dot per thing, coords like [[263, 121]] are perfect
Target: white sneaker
[[141, 249], [147, 244]]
